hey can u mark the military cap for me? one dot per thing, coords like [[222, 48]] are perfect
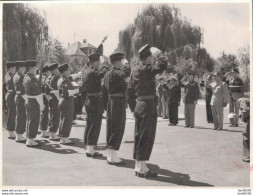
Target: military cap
[[116, 56], [31, 63], [20, 64], [94, 57], [45, 68], [144, 51], [10, 64], [63, 68], [53, 66]]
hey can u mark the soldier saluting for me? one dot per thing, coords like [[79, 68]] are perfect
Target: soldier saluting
[[115, 88], [54, 111], [44, 113], [93, 104], [20, 101], [10, 104], [66, 102], [142, 87], [34, 103]]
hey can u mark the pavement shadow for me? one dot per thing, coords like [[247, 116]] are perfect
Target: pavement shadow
[[55, 148], [167, 176], [199, 127], [77, 143], [232, 131]]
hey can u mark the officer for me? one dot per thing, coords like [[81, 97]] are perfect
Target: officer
[[142, 87], [20, 101], [44, 114], [53, 96], [34, 103], [93, 104], [10, 95], [115, 89], [66, 102]]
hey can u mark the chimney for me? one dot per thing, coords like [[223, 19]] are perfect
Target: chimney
[[84, 40]]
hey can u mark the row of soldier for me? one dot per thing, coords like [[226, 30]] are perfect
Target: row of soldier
[[29, 101]]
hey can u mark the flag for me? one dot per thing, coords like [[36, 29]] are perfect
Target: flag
[[105, 38], [100, 49]]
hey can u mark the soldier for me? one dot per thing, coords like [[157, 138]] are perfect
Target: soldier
[[10, 95], [93, 104], [191, 97], [159, 91], [20, 101], [34, 103], [115, 88], [66, 102], [44, 114], [142, 86], [174, 98], [53, 96]]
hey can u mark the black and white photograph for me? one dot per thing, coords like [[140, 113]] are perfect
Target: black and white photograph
[[126, 94]]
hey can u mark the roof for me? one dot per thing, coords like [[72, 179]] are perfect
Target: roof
[[85, 45], [74, 50]]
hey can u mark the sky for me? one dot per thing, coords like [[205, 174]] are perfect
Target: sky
[[225, 26]]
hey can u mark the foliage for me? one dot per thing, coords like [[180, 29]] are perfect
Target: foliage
[[225, 62], [57, 52], [161, 26], [244, 65]]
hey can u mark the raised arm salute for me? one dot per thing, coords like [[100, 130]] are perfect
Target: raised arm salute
[[93, 104], [142, 100]]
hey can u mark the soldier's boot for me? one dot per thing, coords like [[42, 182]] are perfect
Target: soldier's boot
[[109, 156], [11, 135], [44, 134], [31, 143], [143, 170], [20, 138], [116, 159], [65, 141], [90, 152], [53, 137]]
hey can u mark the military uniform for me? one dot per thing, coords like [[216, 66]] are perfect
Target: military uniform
[[208, 97], [115, 88], [54, 111], [66, 106], [142, 87], [33, 104], [44, 113], [93, 105], [20, 101], [10, 103]]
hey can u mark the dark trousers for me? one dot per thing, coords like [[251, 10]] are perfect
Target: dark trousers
[[11, 111], [66, 106], [234, 108], [33, 118], [94, 111], [44, 115], [145, 129], [20, 115], [173, 112], [246, 140], [54, 115], [209, 115], [115, 122]]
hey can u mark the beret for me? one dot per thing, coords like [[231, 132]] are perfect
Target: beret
[[53, 66], [10, 64], [94, 57], [116, 56], [144, 51], [20, 64], [63, 68], [31, 63], [45, 68]]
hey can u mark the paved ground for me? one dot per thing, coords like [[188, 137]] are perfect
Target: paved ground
[[183, 157]]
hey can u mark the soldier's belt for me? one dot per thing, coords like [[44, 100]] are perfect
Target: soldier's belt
[[148, 97], [117, 95], [18, 92], [94, 94], [10, 91]]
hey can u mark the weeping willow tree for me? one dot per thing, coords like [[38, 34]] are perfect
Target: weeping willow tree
[[161, 26], [25, 34]]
